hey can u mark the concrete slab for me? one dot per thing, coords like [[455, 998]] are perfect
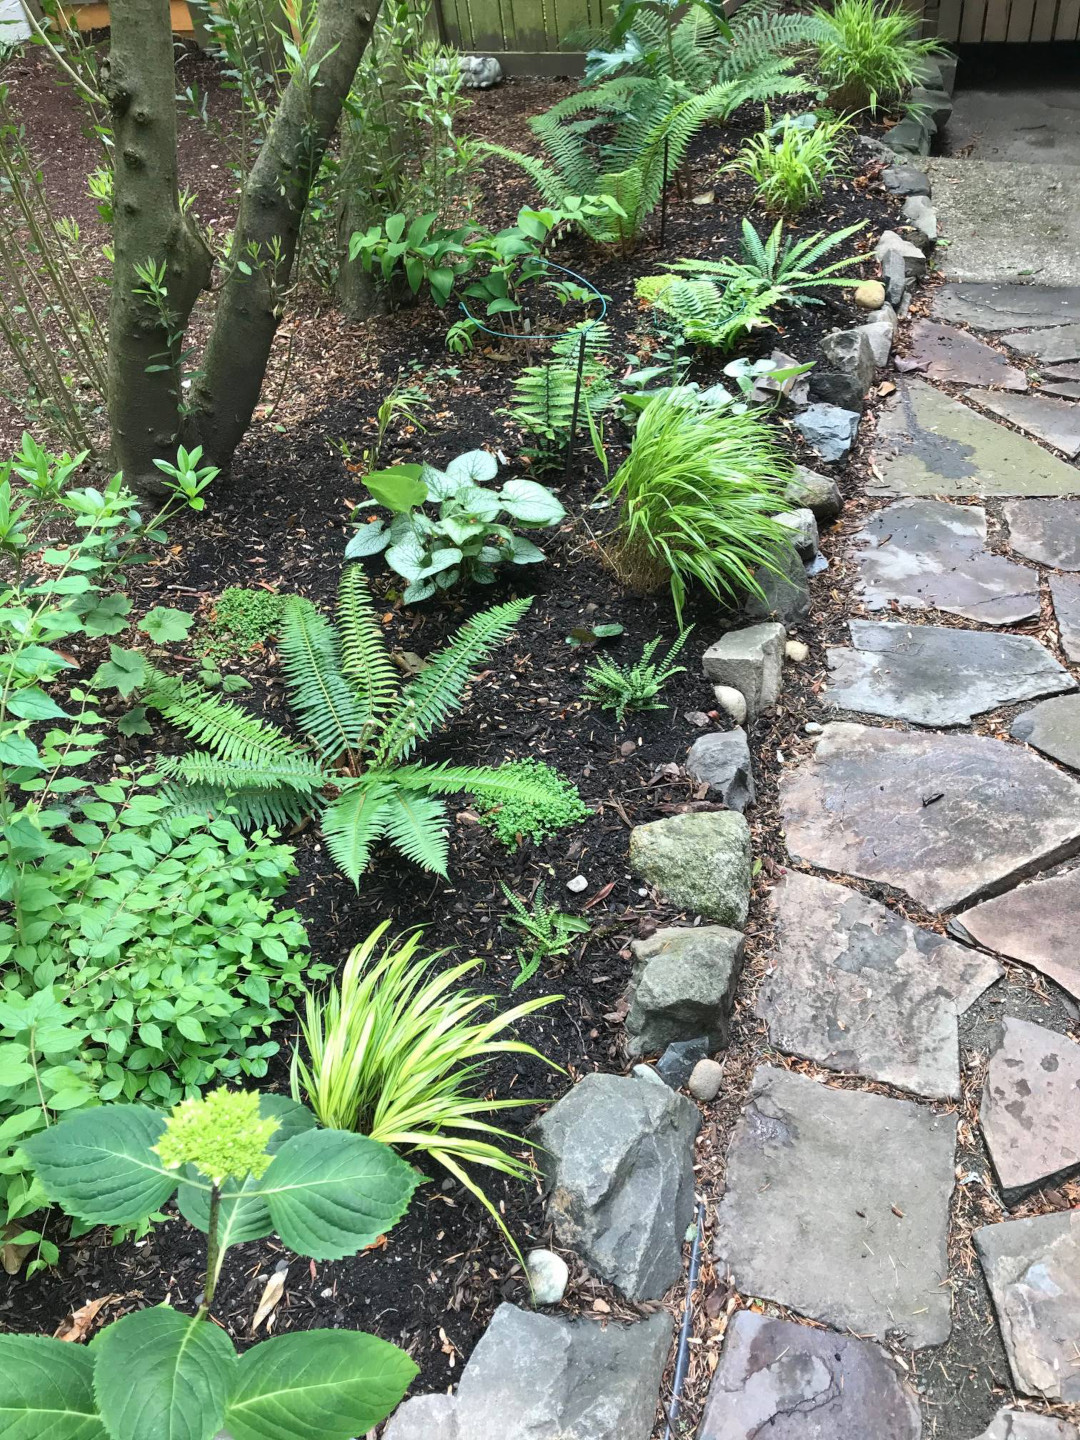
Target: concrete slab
[[1022, 121]]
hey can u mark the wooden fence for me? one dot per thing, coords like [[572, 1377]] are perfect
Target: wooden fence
[[1005, 22]]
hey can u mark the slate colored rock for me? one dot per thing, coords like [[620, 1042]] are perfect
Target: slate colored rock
[[1065, 590], [911, 135], [931, 554], [947, 818], [721, 759], [828, 429], [676, 1064], [845, 371], [1047, 531], [617, 1157], [880, 332], [990, 306], [1026, 1425], [906, 180], [945, 353], [751, 661], [1064, 389], [781, 1379], [1030, 1112], [915, 266], [1062, 342], [816, 493], [683, 986], [1036, 924], [539, 1377], [1055, 421], [1054, 728], [918, 211], [804, 531], [1033, 1270], [785, 595], [698, 862], [857, 988], [927, 675], [929, 444], [825, 1189]]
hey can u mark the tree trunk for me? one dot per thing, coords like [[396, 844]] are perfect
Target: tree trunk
[[148, 227], [264, 246]]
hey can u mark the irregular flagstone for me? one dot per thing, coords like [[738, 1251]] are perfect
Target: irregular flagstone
[[948, 818], [537, 1377], [944, 353], [1047, 531], [1065, 591], [1036, 924], [860, 990], [935, 675], [1026, 1425], [1054, 728], [1033, 1270], [1067, 370], [1030, 1112], [930, 554], [837, 1205], [1066, 389], [1007, 307], [1060, 343], [929, 444], [1055, 421], [785, 1380]]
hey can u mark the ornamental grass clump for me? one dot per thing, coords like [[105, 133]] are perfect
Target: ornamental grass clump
[[788, 161], [870, 54]]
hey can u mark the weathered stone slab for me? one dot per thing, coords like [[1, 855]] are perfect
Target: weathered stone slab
[[1065, 389], [1054, 728], [617, 1155], [1036, 924], [698, 862], [721, 760], [1051, 346], [683, 986], [929, 444], [538, 1377], [1027, 1425], [1055, 421], [1047, 531], [1030, 1112], [781, 1379], [860, 990], [945, 353], [1008, 307], [1064, 370], [930, 554], [948, 818], [935, 675], [1033, 1270], [837, 1205], [1065, 590]]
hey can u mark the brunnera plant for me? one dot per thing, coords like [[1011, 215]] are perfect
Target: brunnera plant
[[242, 1166]]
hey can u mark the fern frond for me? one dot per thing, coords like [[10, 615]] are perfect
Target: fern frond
[[248, 808], [552, 186], [364, 659], [416, 824], [297, 773], [325, 702], [353, 822], [231, 732]]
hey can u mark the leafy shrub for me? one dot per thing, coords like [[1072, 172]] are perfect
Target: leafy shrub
[[869, 54], [397, 1048], [697, 494], [633, 687], [548, 931], [789, 161], [545, 804], [467, 539]]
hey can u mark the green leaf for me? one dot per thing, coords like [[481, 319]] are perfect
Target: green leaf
[[135, 722], [109, 616], [317, 1385], [368, 540], [531, 503], [125, 670], [47, 1390], [34, 704], [524, 552], [400, 489], [474, 465], [160, 1375], [18, 750], [100, 1166], [163, 624], [332, 1193]]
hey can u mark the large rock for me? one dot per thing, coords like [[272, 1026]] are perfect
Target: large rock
[[785, 595], [817, 493], [1033, 1270], [944, 353], [930, 444], [683, 986], [902, 263], [947, 818], [698, 862], [750, 660], [1054, 728], [990, 306], [837, 1205], [1051, 346], [1036, 924], [617, 1152], [928, 554], [1047, 531], [922, 674], [861, 991], [721, 760], [906, 180], [880, 333], [787, 1381], [676, 1064], [918, 212], [828, 429], [846, 370], [536, 1377], [1030, 1111], [1065, 590], [804, 531], [1026, 1425], [1055, 421]]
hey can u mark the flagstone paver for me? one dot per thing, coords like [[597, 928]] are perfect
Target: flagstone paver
[[1007, 307], [1032, 1267], [931, 554], [1036, 924], [948, 818], [1065, 592], [936, 675], [1055, 421], [1047, 531], [1030, 1112], [837, 1205], [945, 353], [930, 444], [1052, 345], [855, 987], [1054, 728], [1027, 1425]]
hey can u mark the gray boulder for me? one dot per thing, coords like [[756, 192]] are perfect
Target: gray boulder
[[906, 180], [618, 1161], [480, 72], [817, 493], [915, 265], [721, 760], [698, 862], [880, 332], [676, 1064], [751, 661], [911, 136], [932, 104], [537, 1377], [846, 372], [785, 595], [829, 429], [918, 212], [682, 986], [804, 531]]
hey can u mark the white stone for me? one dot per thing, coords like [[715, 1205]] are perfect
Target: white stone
[[577, 884], [732, 701], [549, 1276], [706, 1079], [796, 651]]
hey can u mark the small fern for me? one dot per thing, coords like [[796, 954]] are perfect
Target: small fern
[[543, 395]]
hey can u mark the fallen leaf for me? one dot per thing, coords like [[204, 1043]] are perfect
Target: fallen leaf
[[77, 1325], [271, 1298]]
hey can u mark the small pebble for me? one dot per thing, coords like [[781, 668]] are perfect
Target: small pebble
[[796, 651], [705, 1079], [696, 717], [549, 1275], [813, 728], [870, 295], [732, 701], [577, 884]]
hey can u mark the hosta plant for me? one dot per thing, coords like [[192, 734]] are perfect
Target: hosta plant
[[466, 538], [242, 1167], [354, 769]]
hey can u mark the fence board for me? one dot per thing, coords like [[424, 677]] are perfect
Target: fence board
[[1068, 21], [997, 19], [1020, 18], [1042, 25]]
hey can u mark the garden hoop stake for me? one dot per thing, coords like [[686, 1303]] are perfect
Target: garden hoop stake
[[578, 379], [663, 196]]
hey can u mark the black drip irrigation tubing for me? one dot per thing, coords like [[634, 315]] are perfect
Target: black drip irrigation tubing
[[682, 1357]]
